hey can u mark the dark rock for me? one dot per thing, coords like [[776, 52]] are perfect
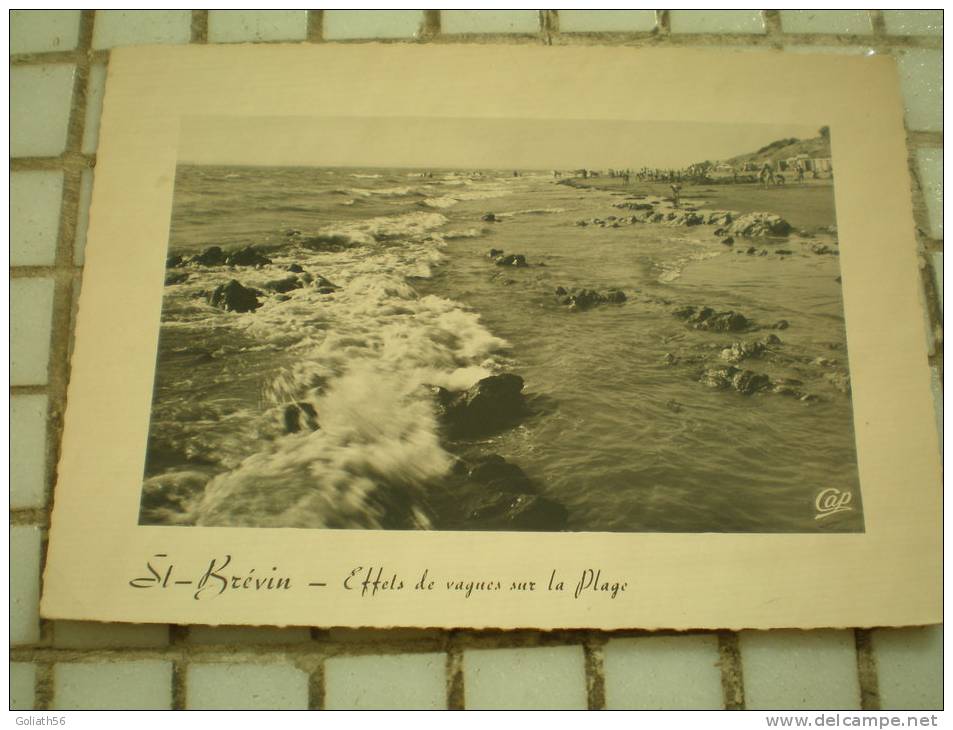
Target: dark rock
[[721, 231], [841, 381], [781, 324], [174, 261], [489, 217], [176, 277], [512, 259], [283, 286], [708, 319], [751, 251], [295, 269], [744, 381], [323, 285], [561, 292], [518, 512], [327, 242], [496, 472], [494, 253], [719, 378], [247, 256], [729, 241], [614, 296], [822, 249], [489, 405], [783, 252], [756, 225], [748, 382], [212, 256], [233, 297], [299, 416]]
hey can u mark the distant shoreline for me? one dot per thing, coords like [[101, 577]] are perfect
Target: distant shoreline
[[808, 205]]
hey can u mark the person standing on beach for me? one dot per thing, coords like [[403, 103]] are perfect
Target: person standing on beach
[[676, 189]]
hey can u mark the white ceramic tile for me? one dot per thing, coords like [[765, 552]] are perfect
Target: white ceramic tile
[[913, 22], [248, 635], [606, 21], [800, 670], [548, 678], [236, 26], [95, 86], [27, 451], [398, 682], [120, 685], [921, 80], [845, 22], [246, 687], [40, 98], [36, 197], [716, 21], [139, 27], [489, 21], [82, 217], [24, 584], [90, 635], [663, 673], [910, 668], [31, 312], [930, 169], [343, 24], [37, 31], [22, 685]]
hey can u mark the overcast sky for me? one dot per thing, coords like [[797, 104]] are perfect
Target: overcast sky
[[467, 143]]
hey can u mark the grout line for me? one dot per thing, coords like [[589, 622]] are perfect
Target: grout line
[[32, 517], [456, 696], [317, 692], [199, 27], [877, 23], [28, 390], [924, 139], [43, 690], [315, 26], [732, 677], [430, 25], [595, 671], [867, 670], [180, 692], [66, 161]]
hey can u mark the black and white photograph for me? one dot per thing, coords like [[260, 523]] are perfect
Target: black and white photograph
[[576, 326]]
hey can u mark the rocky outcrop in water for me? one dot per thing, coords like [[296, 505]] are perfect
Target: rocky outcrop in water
[[176, 277], [491, 404], [746, 382], [248, 256], [233, 297], [300, 416], [518, 512], [743, 350], [582, 299], [706, 318], [283, 286], [173, 261], [211, 256], [759, 225], [489, 217], [513, 259]]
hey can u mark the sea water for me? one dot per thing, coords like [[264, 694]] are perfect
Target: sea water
[[617, 434]]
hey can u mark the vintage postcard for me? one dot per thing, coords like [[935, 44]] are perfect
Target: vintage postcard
[[530, 358]]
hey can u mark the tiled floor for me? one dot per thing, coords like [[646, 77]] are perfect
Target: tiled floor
[[59, 64]]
